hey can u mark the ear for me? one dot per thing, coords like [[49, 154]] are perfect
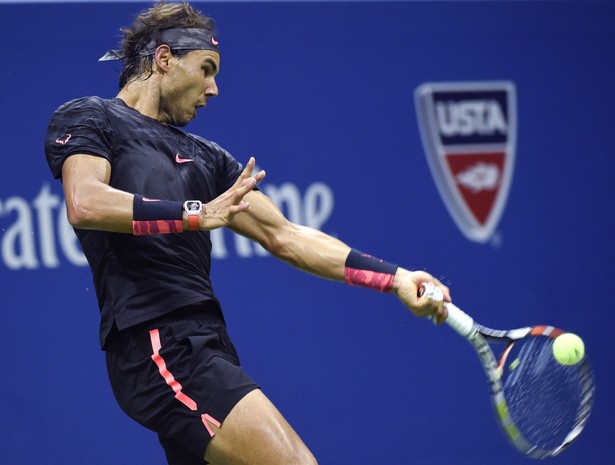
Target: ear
[[162, 57]]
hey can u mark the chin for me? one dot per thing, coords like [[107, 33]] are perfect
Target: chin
[[182, 122]]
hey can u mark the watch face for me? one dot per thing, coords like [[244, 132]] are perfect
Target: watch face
[[193, 206]]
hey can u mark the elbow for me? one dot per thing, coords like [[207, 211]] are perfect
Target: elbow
[[276, 247], [283, 246], [77, 213]]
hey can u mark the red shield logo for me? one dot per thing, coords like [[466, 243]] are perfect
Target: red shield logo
[[469, 131]]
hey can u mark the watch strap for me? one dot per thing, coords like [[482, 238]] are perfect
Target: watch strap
[[193, 222]]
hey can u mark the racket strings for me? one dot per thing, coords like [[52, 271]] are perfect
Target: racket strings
[[546, 400]]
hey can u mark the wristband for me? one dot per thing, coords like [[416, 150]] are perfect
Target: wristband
[[366, 271], [153, 216]]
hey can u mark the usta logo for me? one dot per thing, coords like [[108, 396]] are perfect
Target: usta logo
[[469, 132], [469, 117]]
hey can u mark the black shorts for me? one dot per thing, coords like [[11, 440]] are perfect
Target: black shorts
[[177, 376]]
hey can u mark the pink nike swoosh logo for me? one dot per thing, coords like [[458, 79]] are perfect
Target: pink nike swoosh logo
[[178, 159]]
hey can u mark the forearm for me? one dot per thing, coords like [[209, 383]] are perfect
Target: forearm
[[308, 249], [312, 251], [97, 206], [103, 208]]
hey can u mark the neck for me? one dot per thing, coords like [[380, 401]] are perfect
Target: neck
[[143, 96]]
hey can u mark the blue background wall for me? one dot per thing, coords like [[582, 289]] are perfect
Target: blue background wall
[[322, 95]]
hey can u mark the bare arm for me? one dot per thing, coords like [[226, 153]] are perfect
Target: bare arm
[[300, 246], [320, 254], [92, 204]]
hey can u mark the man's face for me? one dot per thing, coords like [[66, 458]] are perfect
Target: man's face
[[190, 81]]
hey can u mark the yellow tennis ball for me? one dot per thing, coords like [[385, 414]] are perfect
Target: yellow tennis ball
[[568, 349]]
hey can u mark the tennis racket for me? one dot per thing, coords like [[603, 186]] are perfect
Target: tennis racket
[[541, 405]]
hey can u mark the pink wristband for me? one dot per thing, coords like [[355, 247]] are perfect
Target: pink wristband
[[141, 228], [153, 216], [366, 271]]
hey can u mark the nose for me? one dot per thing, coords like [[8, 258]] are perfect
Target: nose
[[212, 88]]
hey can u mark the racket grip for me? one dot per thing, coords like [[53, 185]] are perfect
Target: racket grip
[[459, 320]]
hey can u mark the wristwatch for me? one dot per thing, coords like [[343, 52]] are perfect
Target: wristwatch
[[194, 210]]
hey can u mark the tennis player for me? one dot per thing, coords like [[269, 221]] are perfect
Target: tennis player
[[143, 195]]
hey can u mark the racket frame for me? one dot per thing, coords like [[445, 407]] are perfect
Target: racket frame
[[479, 337]]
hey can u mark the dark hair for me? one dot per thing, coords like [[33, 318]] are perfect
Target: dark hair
[[146, 28]]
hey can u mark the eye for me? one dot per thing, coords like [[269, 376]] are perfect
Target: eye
[[208, 70]]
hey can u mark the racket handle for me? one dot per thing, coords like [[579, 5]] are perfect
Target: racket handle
[[459, 320]]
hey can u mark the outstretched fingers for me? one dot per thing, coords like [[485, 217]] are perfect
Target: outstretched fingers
[[246, 174], [221, 210], [244, 184]]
